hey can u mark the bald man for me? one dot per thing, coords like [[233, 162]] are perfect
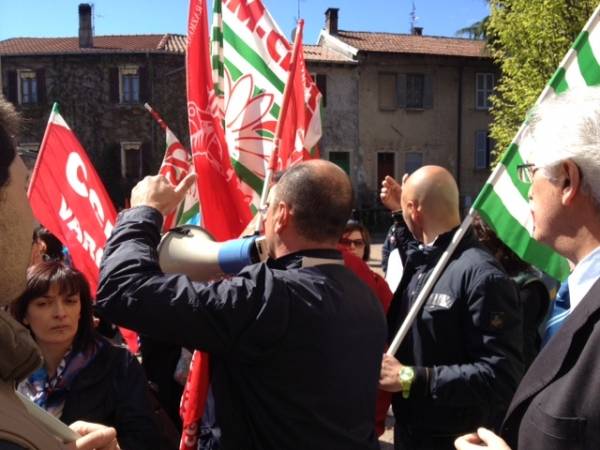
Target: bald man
[[295, 342], [461, 361]]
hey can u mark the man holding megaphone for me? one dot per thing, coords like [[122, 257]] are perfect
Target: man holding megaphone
[[295, 341]]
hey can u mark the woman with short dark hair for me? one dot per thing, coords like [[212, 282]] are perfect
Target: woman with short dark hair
[[356, 239], [84, 376]]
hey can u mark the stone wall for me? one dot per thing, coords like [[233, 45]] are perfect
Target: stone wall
[[81, 84]]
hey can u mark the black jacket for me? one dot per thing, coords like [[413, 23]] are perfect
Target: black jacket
[[556, 404], [295, 351], [112, 391], [465, 343]]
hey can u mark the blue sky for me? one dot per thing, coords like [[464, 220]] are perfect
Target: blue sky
[[59, 17]]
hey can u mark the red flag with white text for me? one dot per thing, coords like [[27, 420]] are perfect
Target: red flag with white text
[[69, 199]]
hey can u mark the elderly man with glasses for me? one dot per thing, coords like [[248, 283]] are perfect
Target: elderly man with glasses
[[556, 403]]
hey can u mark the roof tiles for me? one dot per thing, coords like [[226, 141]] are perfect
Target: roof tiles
[[170, 43], [412, 44]]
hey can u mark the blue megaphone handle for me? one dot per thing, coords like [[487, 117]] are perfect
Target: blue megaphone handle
[[236, 254]]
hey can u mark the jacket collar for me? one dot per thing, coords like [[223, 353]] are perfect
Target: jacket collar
[[431, 253], [547, 364], [20, 353], [294, 260]]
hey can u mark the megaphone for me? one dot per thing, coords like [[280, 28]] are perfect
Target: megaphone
[[191, 250]]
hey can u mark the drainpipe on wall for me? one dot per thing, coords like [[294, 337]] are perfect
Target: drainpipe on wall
[[459, 125]]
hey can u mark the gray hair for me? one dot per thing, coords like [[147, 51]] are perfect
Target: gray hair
[[567, 127]]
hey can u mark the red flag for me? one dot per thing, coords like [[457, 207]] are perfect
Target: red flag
[[176, 164], [225, 211], [68, 197], [301, 100]]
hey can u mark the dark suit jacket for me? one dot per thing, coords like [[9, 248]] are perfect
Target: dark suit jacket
[[557, 404]]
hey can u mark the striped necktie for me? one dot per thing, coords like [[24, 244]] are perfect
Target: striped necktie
[[560, 311]]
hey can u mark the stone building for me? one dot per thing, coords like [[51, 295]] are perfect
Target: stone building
[[396, 102], [100, 84]]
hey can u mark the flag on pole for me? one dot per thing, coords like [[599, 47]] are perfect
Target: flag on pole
[[176, 164], [296, 138], [503, 201], [67, 196], [251, 63], [225, 211]]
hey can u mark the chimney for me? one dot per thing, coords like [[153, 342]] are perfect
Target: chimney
[[86, 37], [331, 20], [417, 31]]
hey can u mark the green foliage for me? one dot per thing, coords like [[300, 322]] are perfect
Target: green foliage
[[528, 40], [476, 30]]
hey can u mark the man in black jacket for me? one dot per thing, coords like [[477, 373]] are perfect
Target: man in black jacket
[[461, 361], [295, 342]]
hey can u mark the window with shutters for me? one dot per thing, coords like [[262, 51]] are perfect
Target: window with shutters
[[387, 91], [131, 160], [483, 149], [415, 90], [484, 88], [25, 86], [412, 161], [405, 90], [129, 84]]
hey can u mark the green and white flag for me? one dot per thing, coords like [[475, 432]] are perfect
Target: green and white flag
[[503, 201], [251, 60]]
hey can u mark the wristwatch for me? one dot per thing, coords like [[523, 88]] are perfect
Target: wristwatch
[[406, 376]]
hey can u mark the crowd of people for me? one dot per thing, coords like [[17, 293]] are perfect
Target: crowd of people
[[298, 343]]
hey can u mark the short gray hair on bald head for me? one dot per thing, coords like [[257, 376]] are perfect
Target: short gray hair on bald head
[[567, 127]]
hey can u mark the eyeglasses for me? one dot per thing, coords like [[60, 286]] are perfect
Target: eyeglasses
[[525, 172], [352, 242]]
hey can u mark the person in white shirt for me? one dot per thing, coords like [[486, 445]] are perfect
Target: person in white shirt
[[555, 406]]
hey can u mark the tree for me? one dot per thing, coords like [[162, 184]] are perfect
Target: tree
[[476, 30], [528, 39]]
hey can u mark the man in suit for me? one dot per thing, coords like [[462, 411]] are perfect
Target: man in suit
[[556, 404]]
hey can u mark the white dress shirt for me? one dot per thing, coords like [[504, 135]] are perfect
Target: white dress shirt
[[583, 277]]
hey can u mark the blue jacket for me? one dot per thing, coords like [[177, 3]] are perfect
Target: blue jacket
[[295, 351], [466, 342]]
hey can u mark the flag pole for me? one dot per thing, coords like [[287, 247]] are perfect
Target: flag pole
[[278, 130], [424, 293]]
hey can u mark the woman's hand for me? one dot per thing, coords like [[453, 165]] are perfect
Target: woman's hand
[[93, 437], [483, 438]]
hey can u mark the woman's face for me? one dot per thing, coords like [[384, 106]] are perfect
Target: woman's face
[[354, 242], [54, 317]]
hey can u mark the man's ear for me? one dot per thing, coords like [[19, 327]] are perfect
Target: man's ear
[[281, 216], [571, 183]]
